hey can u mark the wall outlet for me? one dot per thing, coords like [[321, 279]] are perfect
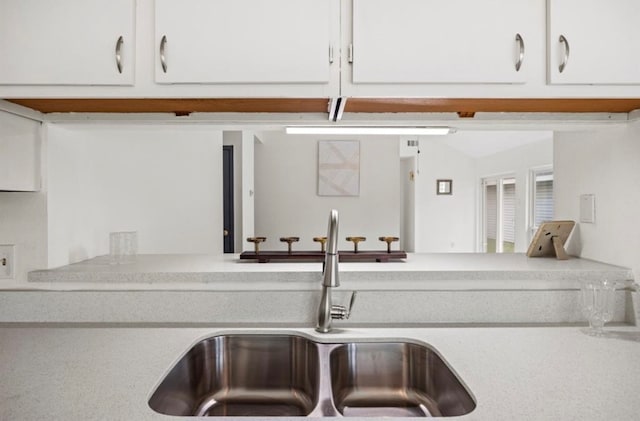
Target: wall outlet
[[588, 208], [7, 261]]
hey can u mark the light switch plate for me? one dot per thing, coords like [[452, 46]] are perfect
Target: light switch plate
[[588, 208], [7, 261]]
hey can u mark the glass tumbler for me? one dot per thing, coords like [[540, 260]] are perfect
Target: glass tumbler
[[597, 299], [123, 247]]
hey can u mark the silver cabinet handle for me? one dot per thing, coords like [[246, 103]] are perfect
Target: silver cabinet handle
[[163, 60], [520, 42], [119, 53], [567, 51]]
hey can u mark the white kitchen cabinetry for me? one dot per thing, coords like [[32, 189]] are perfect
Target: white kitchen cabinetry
[[442, 41], [282, 48], [244, 41], [67, 42], [19, 153], [594, 41]]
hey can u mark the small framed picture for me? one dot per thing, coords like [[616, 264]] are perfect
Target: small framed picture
[[444, 187]]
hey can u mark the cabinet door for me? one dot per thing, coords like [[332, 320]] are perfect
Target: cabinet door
[[601, 41], [441, 41], [19, 153], [242, 41], [66, 42]]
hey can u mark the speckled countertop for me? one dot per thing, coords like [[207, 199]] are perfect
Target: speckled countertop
[[432, 271], [64, 373], [423, 289]]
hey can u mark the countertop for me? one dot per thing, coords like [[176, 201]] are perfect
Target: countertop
[[419, 271], [537, 373], [449, 288]]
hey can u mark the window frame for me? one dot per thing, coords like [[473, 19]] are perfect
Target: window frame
[[534, 173]]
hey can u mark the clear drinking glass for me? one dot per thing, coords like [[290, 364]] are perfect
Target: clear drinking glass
[[123, 247], [597, 299]]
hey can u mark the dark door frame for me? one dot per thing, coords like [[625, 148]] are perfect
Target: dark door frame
[[228, 204]]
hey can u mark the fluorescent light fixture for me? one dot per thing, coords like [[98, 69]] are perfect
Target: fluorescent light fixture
[[369, 130]]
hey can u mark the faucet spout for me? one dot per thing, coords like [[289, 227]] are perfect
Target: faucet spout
[[330, 278], [330, 275]]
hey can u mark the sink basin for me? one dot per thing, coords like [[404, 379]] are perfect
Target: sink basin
[[395, 380], [242, 375], [289, 375]]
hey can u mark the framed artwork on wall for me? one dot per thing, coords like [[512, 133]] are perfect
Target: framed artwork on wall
[[444, 187], [338, 168]]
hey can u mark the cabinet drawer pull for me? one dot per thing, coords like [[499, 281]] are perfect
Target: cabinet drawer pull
[[119, 53], [163, 60], [567, 51], [520, 42]]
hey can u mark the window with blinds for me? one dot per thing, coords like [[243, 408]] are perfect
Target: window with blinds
[[542, 198], [509, 211]]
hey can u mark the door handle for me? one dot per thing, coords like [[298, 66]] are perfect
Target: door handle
[[520, 42], [567, 51], [163, 59], [119, 53]]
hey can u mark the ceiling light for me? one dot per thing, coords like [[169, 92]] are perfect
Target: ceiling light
[[370, 130]]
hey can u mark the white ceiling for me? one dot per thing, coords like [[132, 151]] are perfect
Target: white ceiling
[[478, 144]]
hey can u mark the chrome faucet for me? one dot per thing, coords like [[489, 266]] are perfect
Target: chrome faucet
[[331, 279]]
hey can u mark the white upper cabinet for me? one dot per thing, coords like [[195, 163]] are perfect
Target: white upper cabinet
[[243, 41], [67, 42], [594, 41], [19, 153], [442, 41], [319, 48]]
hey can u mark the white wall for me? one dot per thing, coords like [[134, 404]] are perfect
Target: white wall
[[23, 215], [408, 204], [605, 163], [286, 185], [248, 188], [444, 223], [452, 223], [164, 181], [23, 223], [518, 161]]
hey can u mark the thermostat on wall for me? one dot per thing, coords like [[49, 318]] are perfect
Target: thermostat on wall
[[588, 208]]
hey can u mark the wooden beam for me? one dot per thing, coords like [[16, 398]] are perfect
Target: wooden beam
[[465, 107], [179, 106]]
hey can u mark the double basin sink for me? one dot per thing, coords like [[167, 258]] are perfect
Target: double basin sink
[[290, 375]]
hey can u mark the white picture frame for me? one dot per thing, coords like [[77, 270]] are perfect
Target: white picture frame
[[338, 168]]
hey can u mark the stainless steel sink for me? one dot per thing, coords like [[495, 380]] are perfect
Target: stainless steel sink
[[395, 380], [250, 375], [289, 375]]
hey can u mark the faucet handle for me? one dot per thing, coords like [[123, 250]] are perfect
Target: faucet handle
[[353, 300], [340, 312]]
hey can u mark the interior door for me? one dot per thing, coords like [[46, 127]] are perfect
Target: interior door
[[499, 214], [228, 202], [490, 217]]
